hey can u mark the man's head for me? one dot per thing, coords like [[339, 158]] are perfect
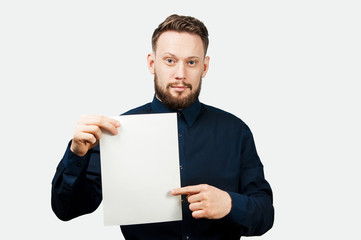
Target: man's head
[[181, 24], [178, 60]]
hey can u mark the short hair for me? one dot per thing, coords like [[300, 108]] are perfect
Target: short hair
[[181, 24]]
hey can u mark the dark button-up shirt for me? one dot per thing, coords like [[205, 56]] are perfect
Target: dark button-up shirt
[[215, 148]]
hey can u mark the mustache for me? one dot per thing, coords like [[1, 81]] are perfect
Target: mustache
[[177, 84]]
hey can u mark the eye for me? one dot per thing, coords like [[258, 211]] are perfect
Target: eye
[[192, 63], [169, 61]]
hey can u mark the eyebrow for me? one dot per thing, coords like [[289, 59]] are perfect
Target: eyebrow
[[172, 55]]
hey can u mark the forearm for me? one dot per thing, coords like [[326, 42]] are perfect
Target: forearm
[[254, 214], [76, 186]]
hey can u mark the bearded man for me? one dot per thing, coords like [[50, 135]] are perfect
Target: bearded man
[[224, 192]]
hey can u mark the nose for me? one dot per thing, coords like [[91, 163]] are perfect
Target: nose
[[181, 71]]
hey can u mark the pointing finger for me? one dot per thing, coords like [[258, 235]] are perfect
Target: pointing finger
[[188, 190]]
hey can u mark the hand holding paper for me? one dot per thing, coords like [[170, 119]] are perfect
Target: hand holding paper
[[88, 132]]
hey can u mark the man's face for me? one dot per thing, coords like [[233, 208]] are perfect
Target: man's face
[[178, 66]]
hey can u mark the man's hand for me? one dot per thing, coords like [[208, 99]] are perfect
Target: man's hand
[[206, 201], [88, 132]]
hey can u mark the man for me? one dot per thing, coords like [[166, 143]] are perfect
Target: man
[[224, 193]]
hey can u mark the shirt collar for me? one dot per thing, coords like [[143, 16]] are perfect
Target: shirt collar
[[190, 114]]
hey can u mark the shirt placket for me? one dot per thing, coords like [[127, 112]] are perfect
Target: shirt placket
[[182, 169]]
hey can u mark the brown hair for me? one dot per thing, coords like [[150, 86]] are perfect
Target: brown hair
[[181, 24]]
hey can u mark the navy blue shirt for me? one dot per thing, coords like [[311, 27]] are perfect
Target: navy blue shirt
[[215, 148]]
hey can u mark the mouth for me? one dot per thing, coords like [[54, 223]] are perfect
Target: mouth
[[180, 87]]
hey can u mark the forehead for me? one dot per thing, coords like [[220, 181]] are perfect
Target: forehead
[[181, 44]]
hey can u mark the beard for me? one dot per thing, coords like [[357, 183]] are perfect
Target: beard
[[179, 102]]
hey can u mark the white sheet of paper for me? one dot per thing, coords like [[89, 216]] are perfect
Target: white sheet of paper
[[140, 166]]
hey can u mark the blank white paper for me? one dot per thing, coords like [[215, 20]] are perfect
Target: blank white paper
[[140, 166]]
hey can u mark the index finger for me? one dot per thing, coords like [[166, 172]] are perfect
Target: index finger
[[103, 122], [187, 190]]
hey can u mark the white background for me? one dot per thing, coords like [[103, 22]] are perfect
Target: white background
[[289, 69]]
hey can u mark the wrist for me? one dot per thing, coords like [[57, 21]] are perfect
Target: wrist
[[74, 148]]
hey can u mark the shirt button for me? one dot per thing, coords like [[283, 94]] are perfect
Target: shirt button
[[179, 135], [181, 167], [187, 237]]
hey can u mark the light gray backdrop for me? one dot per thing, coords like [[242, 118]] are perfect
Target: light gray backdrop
[[289, 69]]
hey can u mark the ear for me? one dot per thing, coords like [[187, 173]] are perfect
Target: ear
[[150, 62], [205, 66]]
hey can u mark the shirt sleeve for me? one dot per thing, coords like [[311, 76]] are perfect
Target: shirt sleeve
[[252, 207], [76, 186]]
